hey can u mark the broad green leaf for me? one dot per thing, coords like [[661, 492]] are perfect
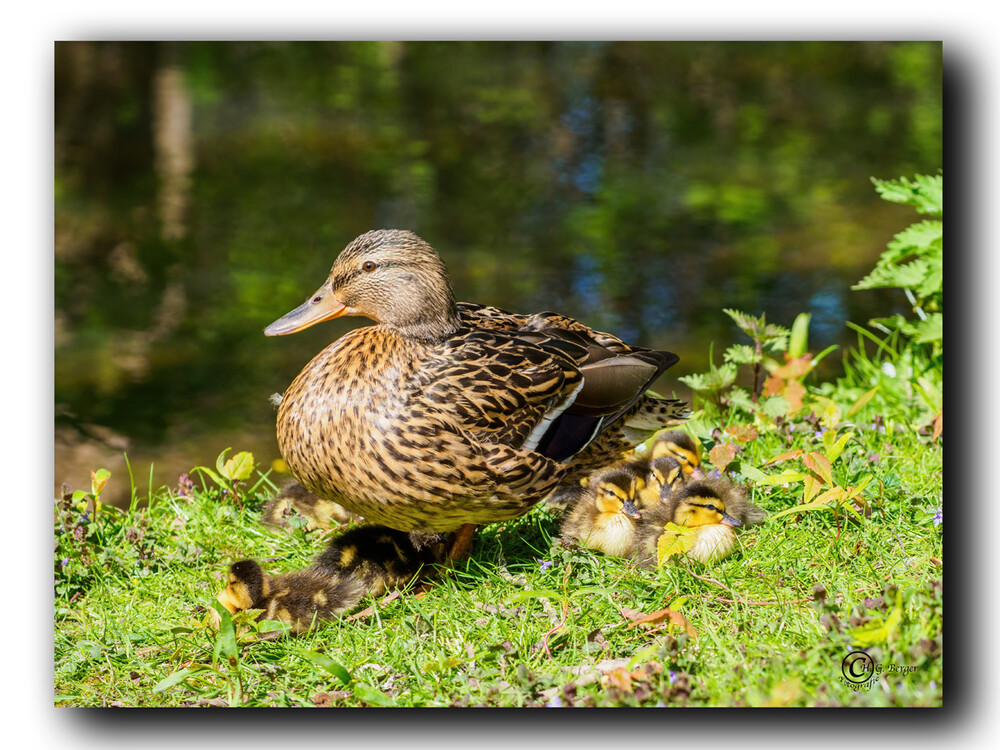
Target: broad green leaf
[[239, 467], [751, 473], [173, 679], [327, 664], [221, 460], [370, 695], [834, 451], [741, 354], [811, 486], [930, 330], [785, 477], [775, 406], [675, 540]]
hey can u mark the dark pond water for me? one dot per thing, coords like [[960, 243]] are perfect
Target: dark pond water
[[204, 189]]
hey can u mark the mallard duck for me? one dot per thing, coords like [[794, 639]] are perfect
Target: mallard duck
[[363, 561], [445, 415], [682, 448], [605, 518], [714, 507], [293, 499]]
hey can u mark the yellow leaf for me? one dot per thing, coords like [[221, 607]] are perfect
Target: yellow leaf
[[239, 467], [675, 540], [820, 464], [98, 479], [784, 692], [812, 486], [662, 615], [833, 451]]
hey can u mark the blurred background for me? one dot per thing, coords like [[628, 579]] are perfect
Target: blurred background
[[204, 189]]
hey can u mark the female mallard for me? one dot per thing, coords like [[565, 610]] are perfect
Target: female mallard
[[445, 414]]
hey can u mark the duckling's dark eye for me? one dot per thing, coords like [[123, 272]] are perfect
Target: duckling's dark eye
[[368, 265]]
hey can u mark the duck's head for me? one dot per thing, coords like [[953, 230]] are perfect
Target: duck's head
[[682, 448], [700, 504], [615, 492], [665, 472], [245, 588], [388, 275]]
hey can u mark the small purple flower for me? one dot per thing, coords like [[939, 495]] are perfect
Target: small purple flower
[[556, 702], [184, 485], [715, 474], [545, 564], [937, 518], [671, 675], [64, 562]]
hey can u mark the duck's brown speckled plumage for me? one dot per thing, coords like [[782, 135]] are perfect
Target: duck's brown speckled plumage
[[432, 418]]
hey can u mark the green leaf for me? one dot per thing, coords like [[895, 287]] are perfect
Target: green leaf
[[220, 461], [925, 193], [784, 477], [211, 474], [798, 343], [741, 354], [173, 679], [327, 664], [775, 406], [370, 695], [880, 629], [225, 642], [752, 473], [930, 330], [239, 467]]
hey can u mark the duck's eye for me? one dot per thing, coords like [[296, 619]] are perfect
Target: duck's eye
[[369, 265]]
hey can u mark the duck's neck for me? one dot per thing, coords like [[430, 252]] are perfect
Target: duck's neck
[[432, 326]]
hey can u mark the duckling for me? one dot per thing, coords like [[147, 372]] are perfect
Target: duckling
[[715, 507], [363, 561], [683, 448], [664, 471], [294, 499], [605, 518]]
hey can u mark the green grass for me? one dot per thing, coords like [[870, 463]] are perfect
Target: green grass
[[505, 629]]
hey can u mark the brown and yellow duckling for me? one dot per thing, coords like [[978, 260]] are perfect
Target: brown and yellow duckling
[[444, 415], [683, 448], [363, 561], [605, 518], [295, 500], [713, 507]]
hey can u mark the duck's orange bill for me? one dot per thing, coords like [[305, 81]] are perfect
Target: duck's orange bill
[[323, 305]]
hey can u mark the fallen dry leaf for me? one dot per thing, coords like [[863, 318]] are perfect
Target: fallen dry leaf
[[661, 616]]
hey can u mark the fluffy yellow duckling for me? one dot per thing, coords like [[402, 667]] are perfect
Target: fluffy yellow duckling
[[682, 448], [714, 507], [662, 476], [363, 561], [605, 518]]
